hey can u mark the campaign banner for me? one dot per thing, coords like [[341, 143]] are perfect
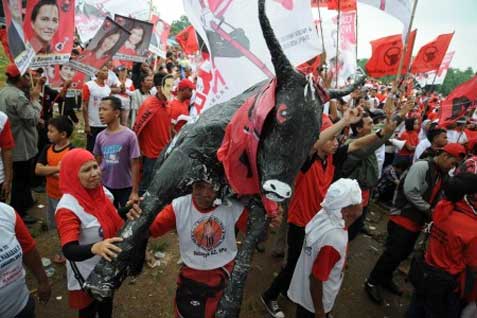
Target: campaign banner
[[107, 42], [343, 65], [49, 27], [160, 34], [136, 47], [239, 57], [90, 14], [19, 49], [57, 75]]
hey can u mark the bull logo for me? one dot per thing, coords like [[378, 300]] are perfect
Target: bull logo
[[391, 56], [430, 53], [208, 233]]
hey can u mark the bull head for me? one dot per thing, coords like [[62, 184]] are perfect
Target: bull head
[[293, 125]]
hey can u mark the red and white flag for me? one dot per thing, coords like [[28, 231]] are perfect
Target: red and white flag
[[430, 78], [431, 55]]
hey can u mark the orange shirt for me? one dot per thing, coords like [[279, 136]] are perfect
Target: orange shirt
[[52, 157], [153, 126]]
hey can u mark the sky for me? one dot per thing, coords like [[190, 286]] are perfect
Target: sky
[[433, 17]]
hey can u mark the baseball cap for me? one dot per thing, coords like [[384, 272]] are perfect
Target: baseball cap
[[12, 70], [185, 83], [454, 149]]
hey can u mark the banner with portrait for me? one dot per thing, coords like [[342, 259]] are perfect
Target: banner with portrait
[[91, 13], [107, 42], [232, 34], [57, 75], [160, 34], [19, 49], [49, 27], [136, 47]]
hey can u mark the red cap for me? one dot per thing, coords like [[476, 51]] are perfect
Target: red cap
[[12, 70], [455, 150], [185, 83]]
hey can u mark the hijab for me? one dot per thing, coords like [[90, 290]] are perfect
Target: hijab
[[93, 201]]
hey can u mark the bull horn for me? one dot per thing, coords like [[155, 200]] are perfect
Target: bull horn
[[340, 92], [283, 68]]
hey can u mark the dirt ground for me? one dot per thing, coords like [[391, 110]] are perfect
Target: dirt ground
[[153, 292]]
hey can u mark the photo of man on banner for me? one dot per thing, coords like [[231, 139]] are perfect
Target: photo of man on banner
[[136, 46], [51, 42], [107, 41], [160, 34]]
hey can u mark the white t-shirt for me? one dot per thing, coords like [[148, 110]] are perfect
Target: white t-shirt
[[96, 93], [421, 147], [14, 293], [299, 291], [454, 136], [206, 240], [125, 99], [3, 122]]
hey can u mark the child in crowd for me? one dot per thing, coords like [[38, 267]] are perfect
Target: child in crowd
[[117, 151], [48, 165]]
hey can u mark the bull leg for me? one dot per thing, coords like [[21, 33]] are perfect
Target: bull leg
[[229, 306]]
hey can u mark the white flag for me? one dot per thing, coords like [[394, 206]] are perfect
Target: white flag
[[239, 55], [400, 9]]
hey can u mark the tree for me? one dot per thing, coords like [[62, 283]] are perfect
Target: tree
[[179, 25], [454, 78]]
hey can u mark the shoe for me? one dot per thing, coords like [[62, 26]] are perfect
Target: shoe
[[393, 288], [272, 307], [28, 219], [374, 292]]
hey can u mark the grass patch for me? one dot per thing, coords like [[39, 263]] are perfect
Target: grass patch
[[3, 64]]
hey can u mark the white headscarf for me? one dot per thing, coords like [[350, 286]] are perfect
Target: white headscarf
[[342, 193]]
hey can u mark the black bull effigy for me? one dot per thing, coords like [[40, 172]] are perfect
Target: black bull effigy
[[284, 141]]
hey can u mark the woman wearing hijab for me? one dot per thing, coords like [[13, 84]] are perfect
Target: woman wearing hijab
[[319, 272], [87, 223]]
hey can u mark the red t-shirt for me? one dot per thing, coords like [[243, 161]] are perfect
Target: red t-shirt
[[6, 137], [324, 263], [310, 190], [178, 108], [156, 133], [23, 235], [412, 139]]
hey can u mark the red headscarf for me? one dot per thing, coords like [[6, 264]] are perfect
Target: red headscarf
[[93, 201]]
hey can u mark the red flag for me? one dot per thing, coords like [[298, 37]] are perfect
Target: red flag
[[319, 3], [187, 39], [459, 101], [344, 5], [387, 54], [430, 56]]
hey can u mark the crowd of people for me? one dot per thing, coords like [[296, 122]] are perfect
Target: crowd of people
[[374, 146]]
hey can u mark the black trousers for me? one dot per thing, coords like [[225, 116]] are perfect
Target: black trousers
[[29, 310], [399, 245], [97, 309], [435, 305], [91, 139], [121, 196], [357, 226], [303, 313], [23, 173], [281, 283]]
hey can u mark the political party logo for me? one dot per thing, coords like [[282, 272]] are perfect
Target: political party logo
[[391, 56], [208, 233], [430, 53]]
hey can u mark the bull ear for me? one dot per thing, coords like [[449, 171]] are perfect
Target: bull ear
[[340, 92], [283, 68]]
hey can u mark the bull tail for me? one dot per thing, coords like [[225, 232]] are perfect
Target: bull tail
[[340, 92]]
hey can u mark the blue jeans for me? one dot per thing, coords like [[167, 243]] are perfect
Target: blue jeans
[[147, 174]]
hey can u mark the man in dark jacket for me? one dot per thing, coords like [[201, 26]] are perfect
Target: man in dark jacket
[[417, 193]]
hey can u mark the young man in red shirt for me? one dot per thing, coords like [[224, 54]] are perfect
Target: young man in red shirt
[[180, 105], [153, 128]]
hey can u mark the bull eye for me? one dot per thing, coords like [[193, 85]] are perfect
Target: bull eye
[[282, 113]]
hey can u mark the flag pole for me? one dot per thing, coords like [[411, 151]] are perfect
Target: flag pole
[[404, 53], [338, 43], [321, 30]]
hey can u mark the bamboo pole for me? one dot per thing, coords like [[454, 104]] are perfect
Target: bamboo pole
[[337, 44], [404, 52], [321, 31]]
